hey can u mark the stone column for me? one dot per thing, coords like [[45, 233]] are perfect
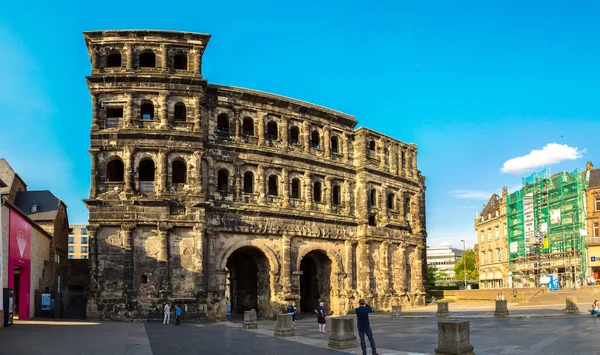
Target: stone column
[[261, 129], [326, 142], [408, 164], [402, 161], [363, 269], [327, 194], [400, 278], [236, 118], [346, 191], [413, 167], [306, 137], [286, 281], [164, 57], [308, 200], [383, 204], [238, 183], [164, 257], [348, 265], [162, 172], [198, 114], [95, 121], [198, 249], [501, 309], [210, 173], [94, 58], [128, 119], [393, 158], [442, 309], [164, 116], [128, 257], [129, 56], [286, 188], [381, 154], [128, 177], [385, 266], [284, 132], [346, 147], [342, 333], [93, 256], [283, 327], [260, 181], [417, 279], [198, 60], [196, 176], [93, 190]]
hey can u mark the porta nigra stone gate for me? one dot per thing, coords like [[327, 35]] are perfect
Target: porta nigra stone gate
[[205, 194]]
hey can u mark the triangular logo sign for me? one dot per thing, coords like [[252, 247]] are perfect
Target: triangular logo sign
[[21, 241]]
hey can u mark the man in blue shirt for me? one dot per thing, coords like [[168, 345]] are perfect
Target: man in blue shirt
[[177, 315], [364, 327]]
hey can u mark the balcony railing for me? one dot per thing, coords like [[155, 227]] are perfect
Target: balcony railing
[[146, 186]]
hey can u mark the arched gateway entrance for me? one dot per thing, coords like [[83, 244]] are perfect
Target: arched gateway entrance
[[248, 279], [315, 281]]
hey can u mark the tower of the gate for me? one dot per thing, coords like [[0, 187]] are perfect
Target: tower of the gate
[[206, 194]]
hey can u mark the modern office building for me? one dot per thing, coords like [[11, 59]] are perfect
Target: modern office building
[[78, 241], [443, 261]]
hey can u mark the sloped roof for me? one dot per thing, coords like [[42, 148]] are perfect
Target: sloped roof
[[594, 178], [492, 205], [48, 204]]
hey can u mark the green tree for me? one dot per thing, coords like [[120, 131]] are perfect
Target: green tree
[[441, 275], [430, 277], [472, 272]]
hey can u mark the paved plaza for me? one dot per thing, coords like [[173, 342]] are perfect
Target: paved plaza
[[534, 331]]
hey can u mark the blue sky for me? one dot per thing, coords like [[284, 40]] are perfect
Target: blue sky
[[473, 84]]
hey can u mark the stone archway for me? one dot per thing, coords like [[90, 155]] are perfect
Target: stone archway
[[315, 281], [249, 279]]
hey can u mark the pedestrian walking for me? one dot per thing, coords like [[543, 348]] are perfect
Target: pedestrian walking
[[167, 310], [320, 311], [177, 315], [291, 309], [364, 326]]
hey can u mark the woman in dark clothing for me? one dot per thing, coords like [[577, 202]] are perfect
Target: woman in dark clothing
[[320, 311]]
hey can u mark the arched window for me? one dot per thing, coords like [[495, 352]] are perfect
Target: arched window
[[372, 147], [223, 180], [406, 206], [147, 60], [180, 112], [272, 131], [373, 197], [115, 170], [273, 188], [180, 62], [372, 220], [147, 110], [248, 182], [317, 192], [391, 201], [113, 60], [248, 126], [315, 139], [336, 197], [146, 170], [294, 135], [335, 145], [295, 188], [179, 172], [222, 123]]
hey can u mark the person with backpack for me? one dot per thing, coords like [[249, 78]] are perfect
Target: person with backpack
[[291, 309]]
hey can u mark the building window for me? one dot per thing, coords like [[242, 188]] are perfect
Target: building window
[[336, 197], [273, 186], [71, 249], [483, 257], [84, 231], [71, 230], [113, 60], [294, 135], [491, 256], [114, 116], [315, 139], [391, 201], [179, 172], [596, 231], [482, 236], [84, 256], [489, 235], [70, 256], [272, 131], [147, 110], [248, 182], [317, 192], [597, 203], [372, 220], [115, 170], [498, 254], [146, 170], [180, 62], [335, 145], [71, 240], [372, 148], [180, 112], [295, 188], [223, 180], [497, 231], [373, 197], [223, 124], [84, 240], [148, 60], [34, 208], [84, 249], [248, 126]]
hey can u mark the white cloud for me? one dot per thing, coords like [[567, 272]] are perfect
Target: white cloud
[[467, 193], [552, 153], [444, 244]]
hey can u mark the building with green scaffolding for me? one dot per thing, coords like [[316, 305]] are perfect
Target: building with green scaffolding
[[546, 225]]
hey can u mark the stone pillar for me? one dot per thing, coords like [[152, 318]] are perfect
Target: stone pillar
[[342, 333], [128, 119], [94, 58], [408, 164], [93, 257], [196, 176], [286, 188], [327, 194], [284, 133], [413, 167], [381, 154], [454, 338], [261, 129], [346, 147], [284, 326], [418, 270], [95, 121], [250, 320], [401, 206], [384, 259], [162, 172], [236, 118], [393, 159], [402, 161], [260, 181], [198, 114], [238, 183], [164, 257], [399, 269], [396, 311], [346, 197], [442, 309], [129, 56], [164, 117], [308, 200], [363, 269], [210, 173], [198, 249], [306, 137], [128, 257], [164, 57], [128, 168], [348, 265], [501, 309], [198, 60], [93, 190], [326, 142], [571, 305], [286, 269]]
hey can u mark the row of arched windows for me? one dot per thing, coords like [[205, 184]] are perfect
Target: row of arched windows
[[390, 201], [115, 171], [146, 59], [272, 132]]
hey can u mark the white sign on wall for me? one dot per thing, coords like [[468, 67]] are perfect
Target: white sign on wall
[[528, 219], [514, 247], [555, 216]]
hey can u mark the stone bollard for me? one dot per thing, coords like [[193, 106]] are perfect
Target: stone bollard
[[342, 333], [571, 306], [284, 326], [250, 321], [501, 309], [442, 310], [396, 311], [454, 338]]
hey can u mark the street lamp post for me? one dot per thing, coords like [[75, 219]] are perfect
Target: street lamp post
[[464, 262]]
